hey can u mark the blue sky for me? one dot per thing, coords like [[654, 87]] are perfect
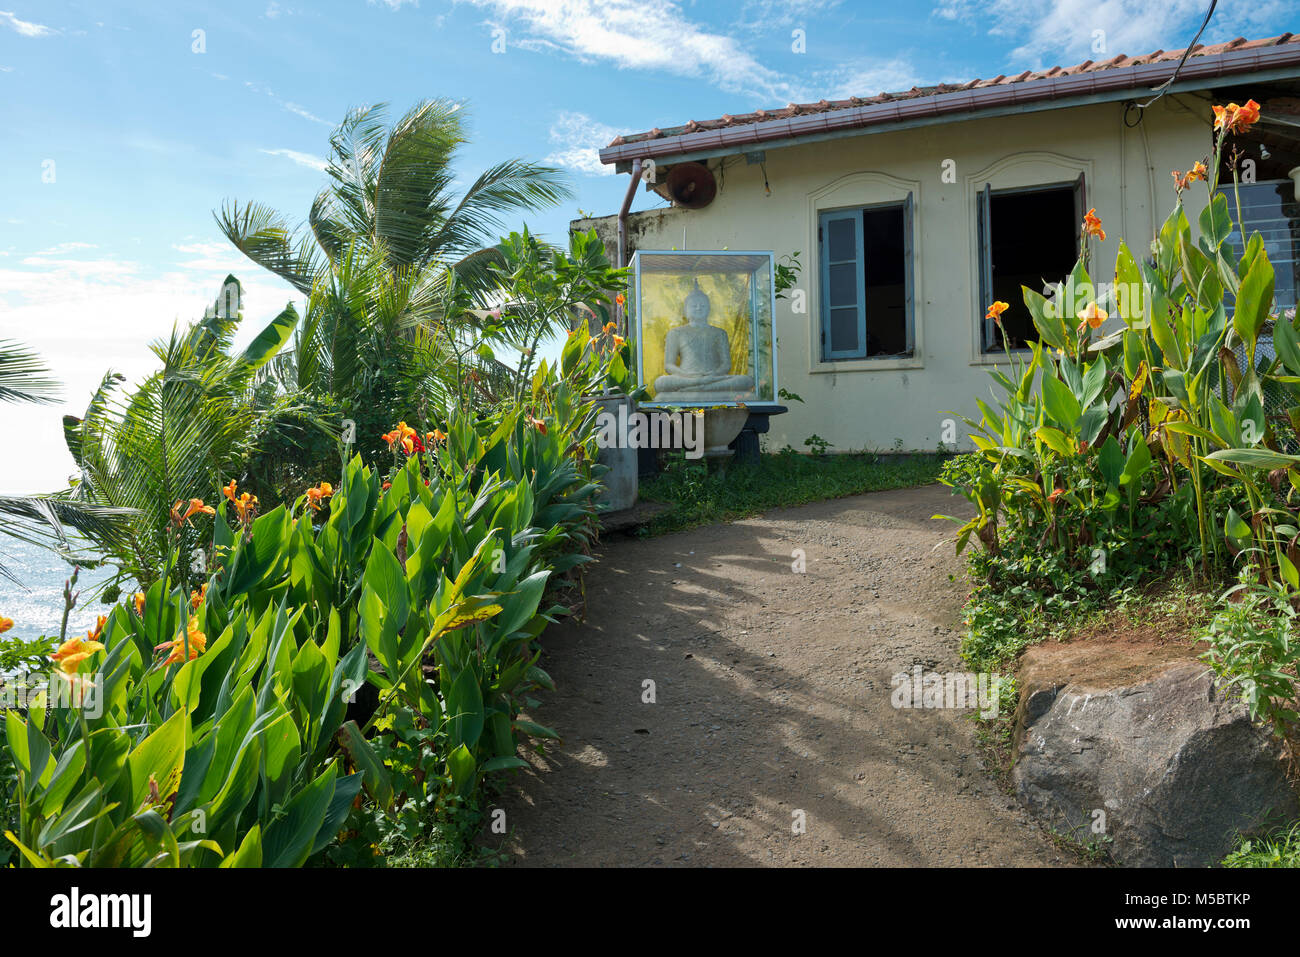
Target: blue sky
[[124, 127]]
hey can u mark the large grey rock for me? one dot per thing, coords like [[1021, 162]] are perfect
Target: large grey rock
[[1174, 763]]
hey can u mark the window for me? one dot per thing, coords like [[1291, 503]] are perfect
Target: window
[[866, 281], [1027, 237], [1272, 209]]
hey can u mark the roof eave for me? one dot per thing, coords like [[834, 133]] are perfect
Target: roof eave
[[1046, 93]]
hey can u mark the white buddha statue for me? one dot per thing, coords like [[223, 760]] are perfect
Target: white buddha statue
[[697, 358]]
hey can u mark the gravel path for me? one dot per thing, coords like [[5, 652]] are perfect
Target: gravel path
[[771, 704]]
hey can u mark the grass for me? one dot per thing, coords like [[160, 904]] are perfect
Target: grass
[[1280, 849], [702, 497]]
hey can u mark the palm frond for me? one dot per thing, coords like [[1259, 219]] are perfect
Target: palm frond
[[24, 377]]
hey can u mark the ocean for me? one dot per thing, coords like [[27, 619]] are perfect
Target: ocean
[[36, 605]]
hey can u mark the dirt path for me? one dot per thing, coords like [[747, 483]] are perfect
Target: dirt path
[[772, 696]]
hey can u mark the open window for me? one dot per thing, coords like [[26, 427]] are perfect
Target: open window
[[1027, 237], [865, 255]]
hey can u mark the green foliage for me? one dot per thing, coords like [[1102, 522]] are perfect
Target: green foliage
[[817, 445], [1104, 461], [421, 588], [1253, 647], [1279, 849], [175, 437], [784, 479]]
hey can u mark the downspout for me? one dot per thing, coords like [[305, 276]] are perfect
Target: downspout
[[619, 311]]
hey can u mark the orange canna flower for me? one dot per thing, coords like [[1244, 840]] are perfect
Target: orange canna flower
[[139, 603], [387, 485], [1092, 315], [619, 299], [73, 652], [1056, 493], [618, 341], [436, 437], [1092, 225], [198, 643], [996, 310], [196, 507], [98, 629], [246, 506], [1236, 119], [5, 624], [318, 494], [538, 424], [1197, 172], [229, 490], [196, 597]]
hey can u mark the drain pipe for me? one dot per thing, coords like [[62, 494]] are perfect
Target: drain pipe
[[620, 314]]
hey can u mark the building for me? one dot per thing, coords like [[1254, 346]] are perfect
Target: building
[[910, 212]]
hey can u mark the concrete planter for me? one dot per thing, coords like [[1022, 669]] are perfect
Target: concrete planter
[[721, 426], [621, 480]]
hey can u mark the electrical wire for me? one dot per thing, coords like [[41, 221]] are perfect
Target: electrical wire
[[1163, 88]]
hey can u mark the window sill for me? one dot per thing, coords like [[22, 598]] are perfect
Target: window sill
[[866, 365], [999, 358]]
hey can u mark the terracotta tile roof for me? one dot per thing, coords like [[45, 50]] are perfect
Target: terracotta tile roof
[[1165, 60]]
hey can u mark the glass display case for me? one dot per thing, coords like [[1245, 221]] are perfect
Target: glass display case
[[703, 324]]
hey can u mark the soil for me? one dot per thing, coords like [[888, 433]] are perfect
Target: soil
[[771, 704], [1120, 649]]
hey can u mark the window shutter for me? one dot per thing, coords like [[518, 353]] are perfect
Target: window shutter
[[843, 282], [984, 227], [909, 312], [1080, 209]]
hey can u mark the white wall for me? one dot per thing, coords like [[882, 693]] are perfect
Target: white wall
[[874, 403]]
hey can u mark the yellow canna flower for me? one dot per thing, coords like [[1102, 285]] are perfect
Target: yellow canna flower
[[198, 643], [1093, 315], [73, 652]]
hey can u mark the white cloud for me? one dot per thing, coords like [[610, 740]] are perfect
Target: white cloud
[[25, 28], [281, 102], [1066, 31], [580, 138], [6, 69], [765, 15], [867, 78], [60, 248], [393, 4], [305, 114], [302, 159], [87, 316], [636, 34]]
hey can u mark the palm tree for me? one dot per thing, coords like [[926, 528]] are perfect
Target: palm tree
[[177, 435], [390, 255], [43, 520]]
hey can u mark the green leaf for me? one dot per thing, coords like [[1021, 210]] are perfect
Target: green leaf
[[1215, 222], [461, 768], [271, 339], [1110, 459], [378, 781], [249, 853], [290, 838], [1255, 458], [1254, 300], [1237, 530], [1061, 403]]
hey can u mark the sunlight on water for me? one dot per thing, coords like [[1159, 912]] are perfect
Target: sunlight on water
[[36, 606]]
